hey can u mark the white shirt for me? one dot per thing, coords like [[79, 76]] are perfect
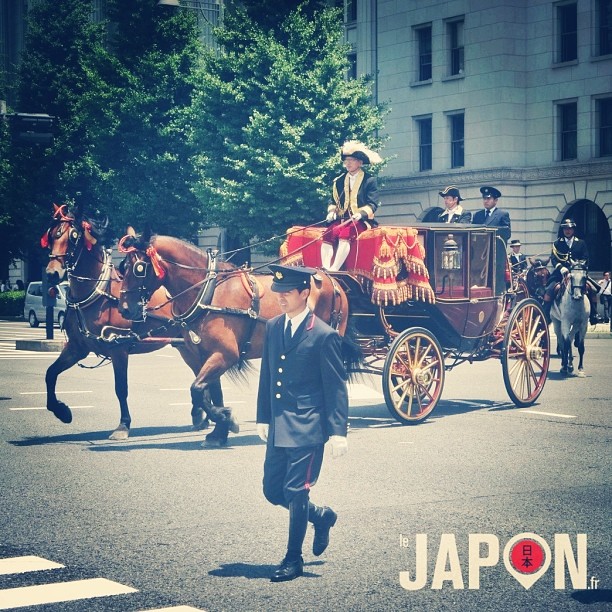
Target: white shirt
[[608, 289], [297, 320]]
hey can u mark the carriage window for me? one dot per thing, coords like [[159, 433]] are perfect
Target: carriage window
[[450, 251], [481, 270]]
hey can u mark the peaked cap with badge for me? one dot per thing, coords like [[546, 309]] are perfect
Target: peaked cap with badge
[[490, 192], [287, 278]]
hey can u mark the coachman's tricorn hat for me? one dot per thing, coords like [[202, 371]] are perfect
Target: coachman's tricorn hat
[[286, 278], [452, 191], [490, 192], [568, 223], [356, 149]]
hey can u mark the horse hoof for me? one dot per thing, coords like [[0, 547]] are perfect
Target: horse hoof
[[214, 442], [201, 426], [61, 411], [581, 374], [564, 371], [234, 426], [121, 433]]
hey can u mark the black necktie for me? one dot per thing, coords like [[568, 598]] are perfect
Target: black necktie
[[487, 214], [288, 334]]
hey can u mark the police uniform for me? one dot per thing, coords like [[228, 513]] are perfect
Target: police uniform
[[564, 251], [496, 217], [457, 214], [303, 397]]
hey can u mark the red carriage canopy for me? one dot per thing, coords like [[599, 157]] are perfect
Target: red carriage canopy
[[388, 261]]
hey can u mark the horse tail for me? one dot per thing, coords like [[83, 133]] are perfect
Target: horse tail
[[352, 354]]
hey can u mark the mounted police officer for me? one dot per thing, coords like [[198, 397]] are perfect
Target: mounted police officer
[[566, 249], [302, 403], [352, 206]]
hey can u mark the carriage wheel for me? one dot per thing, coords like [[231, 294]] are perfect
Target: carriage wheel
[[413, 375], [526, 353]]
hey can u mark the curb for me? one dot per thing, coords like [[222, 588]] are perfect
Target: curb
[[52, 346]]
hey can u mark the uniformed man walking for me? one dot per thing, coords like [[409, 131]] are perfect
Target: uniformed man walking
[[301, 403]]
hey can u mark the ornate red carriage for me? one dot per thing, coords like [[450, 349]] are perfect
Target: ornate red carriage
[[424, 299]]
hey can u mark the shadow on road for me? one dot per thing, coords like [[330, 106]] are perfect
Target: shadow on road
[[251, 571]]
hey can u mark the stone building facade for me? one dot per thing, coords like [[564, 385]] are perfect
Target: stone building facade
[[516, 94]]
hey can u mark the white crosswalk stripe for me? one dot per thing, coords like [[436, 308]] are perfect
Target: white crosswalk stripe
[[58, 592], [10, 331]]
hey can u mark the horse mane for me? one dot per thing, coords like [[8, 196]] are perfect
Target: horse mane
[[194, 254]]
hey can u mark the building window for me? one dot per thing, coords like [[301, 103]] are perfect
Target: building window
[[568, 130], [457, 140], [604, 112], [351, 10], [425, 144], [455, 44], [352, 66], [567, 29], [605, 26], [423, 35]]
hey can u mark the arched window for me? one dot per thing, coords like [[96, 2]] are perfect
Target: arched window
[[592, 226]]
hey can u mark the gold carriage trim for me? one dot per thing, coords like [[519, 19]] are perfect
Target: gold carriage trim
[[388, 261]]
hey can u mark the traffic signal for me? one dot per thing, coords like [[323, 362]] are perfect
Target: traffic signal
[[32, 129]]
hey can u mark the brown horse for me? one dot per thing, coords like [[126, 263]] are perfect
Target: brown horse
[[93, 323], [221, 309]]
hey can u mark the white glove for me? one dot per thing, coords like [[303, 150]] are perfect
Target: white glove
[[262, 431], [339, 445], [331, 216], [564, 271], [357, 217]]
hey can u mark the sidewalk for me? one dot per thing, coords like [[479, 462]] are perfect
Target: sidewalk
[[601, 330]]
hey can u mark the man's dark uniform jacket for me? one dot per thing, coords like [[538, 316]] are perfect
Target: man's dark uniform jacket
[[367, 199], [518, 262], [459, 215], [302, 389], [562, 254], [499, 218]]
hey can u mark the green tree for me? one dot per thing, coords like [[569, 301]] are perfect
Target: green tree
[[141, 155], [269, 116], [63, 55]]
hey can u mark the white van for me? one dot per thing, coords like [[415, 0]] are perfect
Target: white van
[[35, 312]]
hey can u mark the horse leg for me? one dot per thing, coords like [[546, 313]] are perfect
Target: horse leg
[[580, 346], [199, 420], [564, 357], [570, 356], [119, 360], [71, 354], [205, 391]]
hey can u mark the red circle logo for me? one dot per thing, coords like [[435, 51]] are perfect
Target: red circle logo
[[527, 556]]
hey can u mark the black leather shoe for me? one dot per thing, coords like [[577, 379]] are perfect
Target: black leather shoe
[[288, 570], [321, 534]]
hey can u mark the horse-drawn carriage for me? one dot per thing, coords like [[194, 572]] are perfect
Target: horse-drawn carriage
[[417, 301], [427, 298]]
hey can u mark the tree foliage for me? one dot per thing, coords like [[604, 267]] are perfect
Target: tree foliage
[[269, 116]]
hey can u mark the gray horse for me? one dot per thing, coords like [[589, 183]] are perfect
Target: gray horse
[[570, 316]]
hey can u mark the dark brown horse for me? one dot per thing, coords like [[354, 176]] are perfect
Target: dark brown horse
[[93, 323], [221, 309]]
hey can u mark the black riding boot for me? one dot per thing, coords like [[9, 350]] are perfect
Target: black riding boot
[[323, 519], [593, 318], [293, 564]]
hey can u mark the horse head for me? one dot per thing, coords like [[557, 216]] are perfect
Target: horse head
[[577, 274], [142, 275], [68, 235]]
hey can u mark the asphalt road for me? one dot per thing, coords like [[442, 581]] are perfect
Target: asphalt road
[[179, 525]]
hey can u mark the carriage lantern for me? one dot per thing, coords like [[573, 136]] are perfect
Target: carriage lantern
[[451, 255]]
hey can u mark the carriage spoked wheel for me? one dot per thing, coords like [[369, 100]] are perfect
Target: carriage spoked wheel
[[526, 353], [413, 375]]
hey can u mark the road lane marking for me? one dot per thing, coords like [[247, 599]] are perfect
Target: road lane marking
[[63, 591], [552, 414], [57, 392], [176, 609], [44, 408], [28, 563]]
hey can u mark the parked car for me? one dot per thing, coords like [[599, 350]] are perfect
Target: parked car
[[34, 310]]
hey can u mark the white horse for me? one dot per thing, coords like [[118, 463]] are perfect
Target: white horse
[[570, 316]]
